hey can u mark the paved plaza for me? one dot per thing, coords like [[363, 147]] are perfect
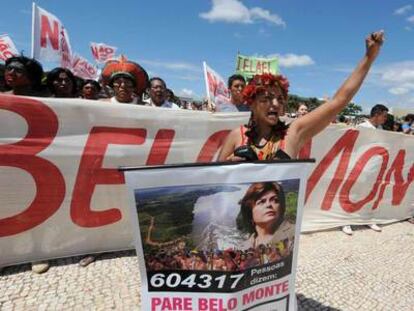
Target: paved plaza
[[368, 271]]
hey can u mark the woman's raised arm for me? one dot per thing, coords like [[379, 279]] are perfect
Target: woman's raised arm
[[314, 122]]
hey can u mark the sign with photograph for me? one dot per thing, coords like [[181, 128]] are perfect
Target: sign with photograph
[[217, 236]]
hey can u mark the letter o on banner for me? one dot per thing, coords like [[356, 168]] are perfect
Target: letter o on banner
[[344, 199]]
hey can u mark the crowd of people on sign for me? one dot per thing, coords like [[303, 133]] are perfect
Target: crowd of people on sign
[[271, 133], [230, 260]]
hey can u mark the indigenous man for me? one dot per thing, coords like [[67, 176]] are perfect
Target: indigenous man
[[127, 79], [158, 94]]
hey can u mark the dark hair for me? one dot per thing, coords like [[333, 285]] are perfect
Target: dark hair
[[409, 117], [342, 119], [93, 82], [54, 74], [159, 79], [280, 129], [399, 127], [244, 219], [389, 123], [378, 109], [302, 104], [33, 67], [234, 78]]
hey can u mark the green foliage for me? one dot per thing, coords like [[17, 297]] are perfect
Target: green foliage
[[291, 206], [351, 109], [295, 100]]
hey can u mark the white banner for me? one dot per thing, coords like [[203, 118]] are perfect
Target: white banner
[[61, 193], [50, 40], [217, 92], [7, 48], [84, 69], [102, 52], [217, 237]]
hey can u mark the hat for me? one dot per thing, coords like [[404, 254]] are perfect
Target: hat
[[263, 84], [126, 68]]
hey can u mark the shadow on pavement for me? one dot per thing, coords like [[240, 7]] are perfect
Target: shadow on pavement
[[74, 260], [305, 304]]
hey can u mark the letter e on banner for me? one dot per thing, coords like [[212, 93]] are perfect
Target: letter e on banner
[[50, 185], [91, 173]]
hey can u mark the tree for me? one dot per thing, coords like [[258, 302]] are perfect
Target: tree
[[351, 109], [295, 100]]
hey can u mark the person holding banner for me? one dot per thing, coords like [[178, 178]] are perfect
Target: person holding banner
[[23, 76], [236, 85], [62, 83], [158, 94], [128, 80], [90, 89], [266, 137], [3, 87]]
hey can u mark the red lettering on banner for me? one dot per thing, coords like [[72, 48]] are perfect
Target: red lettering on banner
[[95, 52], [400, 186], [91, 173], [344, 199], [50, 185], [160, 147], [344, 145], [211, 146], [47, 32], [212, 83], [107, 51]]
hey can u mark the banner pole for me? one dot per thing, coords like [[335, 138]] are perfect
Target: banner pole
[[33, 27]]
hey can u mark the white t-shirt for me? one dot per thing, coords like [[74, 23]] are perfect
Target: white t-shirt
[[165, 104], [115, 101], [369, 125]]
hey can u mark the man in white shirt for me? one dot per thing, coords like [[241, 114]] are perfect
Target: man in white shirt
[[158, 94], [378, 117], [236, 83]]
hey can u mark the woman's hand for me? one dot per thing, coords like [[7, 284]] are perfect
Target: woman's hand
[[234, 158], [373, 44]]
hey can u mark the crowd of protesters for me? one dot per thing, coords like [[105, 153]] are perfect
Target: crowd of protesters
[[230, 260], [126, 82], [122, 81]]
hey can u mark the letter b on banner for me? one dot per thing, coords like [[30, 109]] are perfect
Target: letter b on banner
[[50, 185]]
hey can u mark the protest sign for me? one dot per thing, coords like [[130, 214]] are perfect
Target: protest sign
[[62, 195], [102, 52], [248, 66], [82, 68], [217, 237], [7, 48], [50, 40], [217, 92]]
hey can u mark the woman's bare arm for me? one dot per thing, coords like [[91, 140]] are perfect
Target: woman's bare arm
[[314, 122], [231, 142]]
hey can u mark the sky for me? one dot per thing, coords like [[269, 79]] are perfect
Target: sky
[[318, 42]]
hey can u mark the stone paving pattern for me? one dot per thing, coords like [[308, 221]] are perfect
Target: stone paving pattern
[[368, 271]]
